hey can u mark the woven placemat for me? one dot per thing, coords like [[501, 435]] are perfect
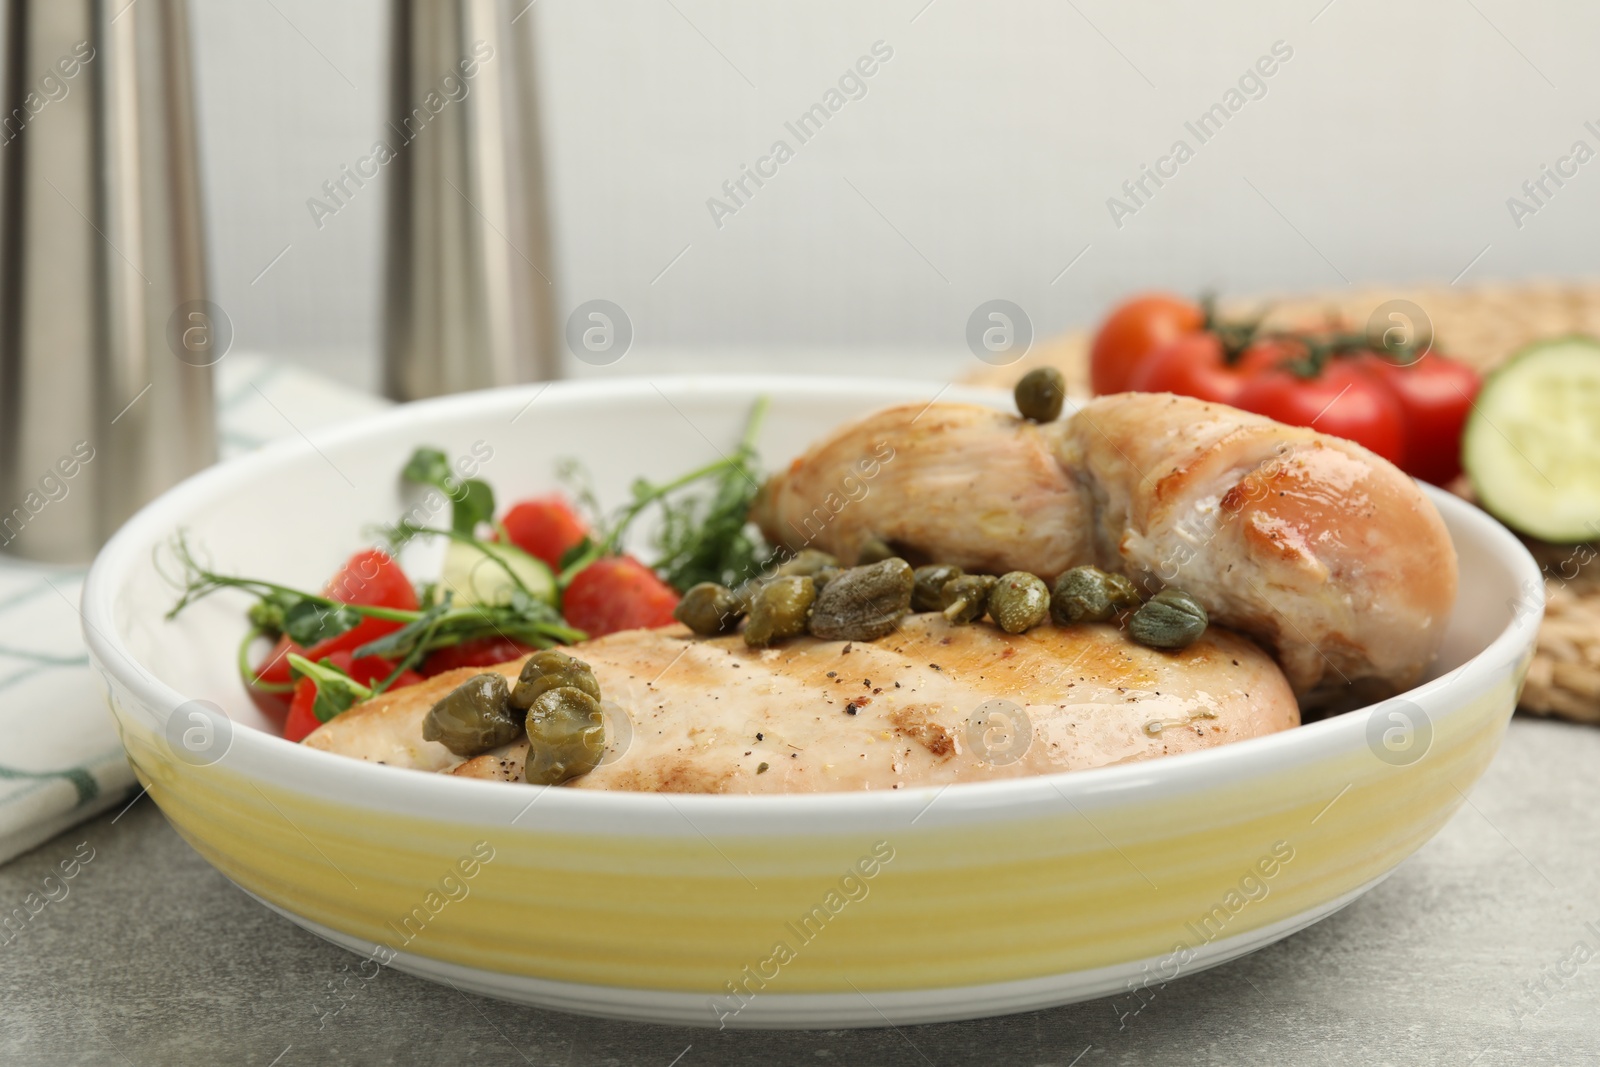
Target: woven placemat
[[1480, 325]]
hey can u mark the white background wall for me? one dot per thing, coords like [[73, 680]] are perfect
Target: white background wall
[[978, 165]]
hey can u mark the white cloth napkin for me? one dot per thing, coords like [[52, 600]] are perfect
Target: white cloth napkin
[[60, 760]]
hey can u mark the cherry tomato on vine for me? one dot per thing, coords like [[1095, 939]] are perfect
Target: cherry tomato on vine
[[1197, 365], [1135, 331], [1435, 395], [1345, 400]]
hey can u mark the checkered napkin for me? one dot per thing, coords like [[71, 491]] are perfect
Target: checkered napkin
[[60, 760]]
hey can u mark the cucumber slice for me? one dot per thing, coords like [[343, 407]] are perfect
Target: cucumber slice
[[481, 573], [1532, 443]]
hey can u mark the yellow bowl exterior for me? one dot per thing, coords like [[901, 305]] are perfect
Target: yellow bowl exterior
[[1008, 898]]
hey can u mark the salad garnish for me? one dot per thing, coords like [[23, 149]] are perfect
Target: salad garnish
[[533, 578]]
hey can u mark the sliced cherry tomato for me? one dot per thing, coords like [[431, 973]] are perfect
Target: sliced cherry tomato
[[1345, 400], [617, 593], [1134, 332], [369, 577], [1197, 365], [479, 652], [1436, 395], [302, 719], [545, 527]]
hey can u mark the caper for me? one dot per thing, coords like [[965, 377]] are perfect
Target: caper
[[806, 563], [548, 669], [1089, 594], [824, 576], [863, 603], [1019, 601], [709, 609], [1171, 619], [779, 609], [874, 550], [549, 660], [929, 581], [966, 598], [473, 717], [1040, 393], [566, 736]]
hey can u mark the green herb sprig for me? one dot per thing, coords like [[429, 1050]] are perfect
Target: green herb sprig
[[703, 537], [471, 499], [336, 690], [523, 618]]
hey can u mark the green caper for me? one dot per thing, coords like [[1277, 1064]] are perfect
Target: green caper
[[1019, 601], [548, 669], [824, 576], [1171, 619], [779, 609], [566, 736], [874, 549], [806, 563], [966, 598], [550, 660], [709, 609], [1039, 394], [1089, 594], [929, 581], [473, 717], [863, 603]]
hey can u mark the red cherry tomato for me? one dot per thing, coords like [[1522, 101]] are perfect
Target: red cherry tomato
[[1197, 365], [366, 670], [1134, 332], [1435, 394], [545, 527], [1344, 400], [479, 652], [617, 593], [302, 720], [369, 577]]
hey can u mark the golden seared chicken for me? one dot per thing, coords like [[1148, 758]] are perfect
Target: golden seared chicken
[[1324, 552], [714, 716]]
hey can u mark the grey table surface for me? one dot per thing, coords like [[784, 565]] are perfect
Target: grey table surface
[[1476, 951]]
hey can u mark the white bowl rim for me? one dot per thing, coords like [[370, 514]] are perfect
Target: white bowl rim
[[374, 784]]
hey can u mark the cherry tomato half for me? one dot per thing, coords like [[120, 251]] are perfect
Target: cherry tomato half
[[545, 527], [1135, 331], [369, 577], [617, 593], [1435, 395], [1345, 400], [478, 652]]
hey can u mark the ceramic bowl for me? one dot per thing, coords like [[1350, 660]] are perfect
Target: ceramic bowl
[[825, 910]]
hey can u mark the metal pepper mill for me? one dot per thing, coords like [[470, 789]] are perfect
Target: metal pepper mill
[[468, 301], [106, 336]]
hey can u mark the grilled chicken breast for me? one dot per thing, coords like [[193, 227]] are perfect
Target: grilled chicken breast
[[931, 703], [1327, 554]]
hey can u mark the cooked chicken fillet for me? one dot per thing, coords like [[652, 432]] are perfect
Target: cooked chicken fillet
[[1324, 552], [707, 715]]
